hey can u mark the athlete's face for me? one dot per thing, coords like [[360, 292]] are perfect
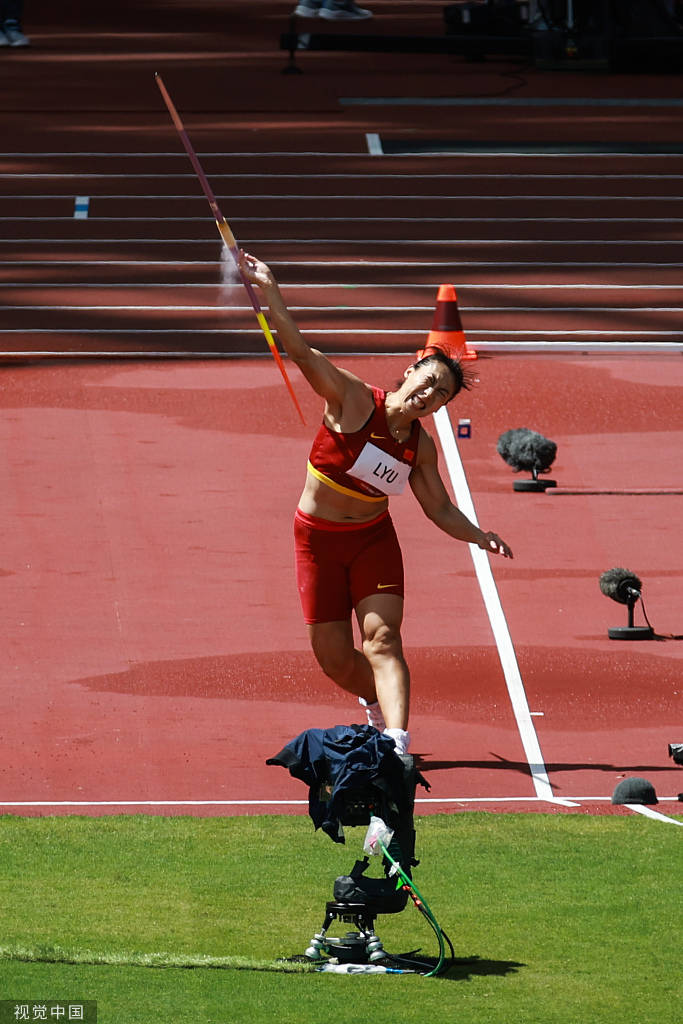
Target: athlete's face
[[426, 388]]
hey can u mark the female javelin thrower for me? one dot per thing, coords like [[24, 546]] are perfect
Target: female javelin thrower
[[370, 444]]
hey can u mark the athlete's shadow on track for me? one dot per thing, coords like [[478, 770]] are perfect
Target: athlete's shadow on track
[[462, 969], [465, 968], [425, 765]]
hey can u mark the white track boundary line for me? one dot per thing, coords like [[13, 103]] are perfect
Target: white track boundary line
[[222, 307], [304, 803], [396, 264], [460, 198], [648, 812], [353, 175], [177, 154], [452, 242], [520, 154], [508, 101], [538, 348], [482, 346], [463, 289], [501, 633], [357, 220]]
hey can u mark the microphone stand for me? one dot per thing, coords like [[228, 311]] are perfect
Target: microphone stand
[[631, 632]]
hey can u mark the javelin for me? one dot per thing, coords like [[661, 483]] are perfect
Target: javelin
[[228, 237]]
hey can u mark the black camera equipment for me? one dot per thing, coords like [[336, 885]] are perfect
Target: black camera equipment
[[356, 778], [676, 751]]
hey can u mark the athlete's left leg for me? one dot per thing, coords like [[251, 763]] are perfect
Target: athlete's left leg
[[379, 618]]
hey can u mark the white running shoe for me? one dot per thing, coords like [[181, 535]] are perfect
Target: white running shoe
[[308, 9], [374, 714], [401, 739], [343, 10]]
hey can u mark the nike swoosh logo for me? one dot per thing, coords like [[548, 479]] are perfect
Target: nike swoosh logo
[[379, 437], [383, 586]]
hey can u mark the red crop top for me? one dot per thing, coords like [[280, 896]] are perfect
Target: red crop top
[[368, 463]]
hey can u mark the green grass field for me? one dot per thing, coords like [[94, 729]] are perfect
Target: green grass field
[[555, 919]]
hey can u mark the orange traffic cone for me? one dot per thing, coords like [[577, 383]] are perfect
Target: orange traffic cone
[[447, 333]]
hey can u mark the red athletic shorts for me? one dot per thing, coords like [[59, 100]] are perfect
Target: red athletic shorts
[[338, 564]]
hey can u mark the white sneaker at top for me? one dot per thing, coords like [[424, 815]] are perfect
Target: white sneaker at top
[[401, 739], [308, 9], [333, 10], [14, 35]]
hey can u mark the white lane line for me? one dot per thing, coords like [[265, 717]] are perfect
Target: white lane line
[[569, 802], [151, 803], [170, 354], [373, 333], [120, 354], [353, 286], [332, 263], [220, 306], [178, 154], [501, 633], [541, 154], [551, 349], [396, 264], [506, 101], [413, 243], [82, 204], [648, 812], [525, 799], [317, 197], [351, 175], [304, 803], [295, 154]]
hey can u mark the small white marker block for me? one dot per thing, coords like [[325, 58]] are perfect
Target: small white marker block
[[81, 207]]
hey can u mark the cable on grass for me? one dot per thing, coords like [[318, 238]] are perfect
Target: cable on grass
[[406, 883]]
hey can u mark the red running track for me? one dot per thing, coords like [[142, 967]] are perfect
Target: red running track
[[152, 645], [154, 651]]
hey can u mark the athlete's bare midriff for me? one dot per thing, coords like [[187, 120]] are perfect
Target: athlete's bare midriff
[[319, 500]]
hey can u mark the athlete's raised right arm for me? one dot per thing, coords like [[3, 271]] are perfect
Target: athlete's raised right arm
[[328, 380]]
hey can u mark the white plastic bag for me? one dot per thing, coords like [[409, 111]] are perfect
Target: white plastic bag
[[377, 832]]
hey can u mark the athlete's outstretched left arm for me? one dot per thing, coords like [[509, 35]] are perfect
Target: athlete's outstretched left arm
[[429, 489]]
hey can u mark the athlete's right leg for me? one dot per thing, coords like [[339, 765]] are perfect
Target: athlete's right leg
[[322, 556], [334, 649]]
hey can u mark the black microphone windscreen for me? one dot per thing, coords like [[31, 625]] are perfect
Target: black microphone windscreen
[[525, 449], [621, 585]]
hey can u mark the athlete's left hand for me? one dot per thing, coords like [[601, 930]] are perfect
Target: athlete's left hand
[[492, 543]]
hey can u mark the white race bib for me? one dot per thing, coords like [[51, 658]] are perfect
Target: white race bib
[[382, 471]]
